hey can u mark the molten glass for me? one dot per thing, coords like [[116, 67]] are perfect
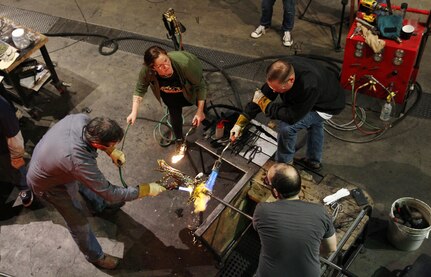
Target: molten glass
[[200, 198], [175, 179]]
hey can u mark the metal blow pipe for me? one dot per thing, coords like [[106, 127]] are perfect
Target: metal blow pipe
[[352, 228], [228, 205], [183, 149], [209, 185], [214, 172], [342, 270]]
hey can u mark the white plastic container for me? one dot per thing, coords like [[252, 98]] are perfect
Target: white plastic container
[[385, 114], [20, 39]]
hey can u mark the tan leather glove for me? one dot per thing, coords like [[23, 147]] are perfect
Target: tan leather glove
[[151, 189], [237, 129], [260, 99], [372, 40], [17, 163], [117, 156]]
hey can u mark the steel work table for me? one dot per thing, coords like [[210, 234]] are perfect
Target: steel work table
[[223, 228]]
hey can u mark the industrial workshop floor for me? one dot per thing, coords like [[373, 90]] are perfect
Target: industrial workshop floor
[[154, 236]]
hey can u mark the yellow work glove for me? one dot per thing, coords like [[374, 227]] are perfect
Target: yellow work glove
[[117, 156], [151, 189], [260, 99], [236, 131], [17, 163]]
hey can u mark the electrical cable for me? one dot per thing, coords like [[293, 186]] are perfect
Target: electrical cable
[[416, 89], [354, 113], [419, 91]]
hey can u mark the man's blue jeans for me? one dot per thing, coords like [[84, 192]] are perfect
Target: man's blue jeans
[[66, 200], [288, 14], [97, 202], [313, 122]]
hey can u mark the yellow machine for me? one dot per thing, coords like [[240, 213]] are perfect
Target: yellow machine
[[368, 8], [369, 4]]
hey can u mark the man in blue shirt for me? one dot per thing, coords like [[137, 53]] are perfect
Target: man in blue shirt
[[64, 159]]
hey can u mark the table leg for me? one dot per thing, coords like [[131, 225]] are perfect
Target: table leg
[[23, 97], [57, 83]]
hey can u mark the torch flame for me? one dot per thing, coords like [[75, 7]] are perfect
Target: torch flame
[[176, 158], [180, 154], [201, 198]]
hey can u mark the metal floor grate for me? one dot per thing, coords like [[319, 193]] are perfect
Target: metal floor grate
[[36, 21], [423, 108], [244, 258]]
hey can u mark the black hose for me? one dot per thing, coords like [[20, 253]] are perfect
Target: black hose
[[418, 98], [107, 41]]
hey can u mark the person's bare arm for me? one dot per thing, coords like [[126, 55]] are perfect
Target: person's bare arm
[[131, 118], [200, 115], [328, 246]]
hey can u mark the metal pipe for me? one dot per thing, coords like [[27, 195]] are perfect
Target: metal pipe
[[224, 149], [342, 270], [228, 205], [349, 232]]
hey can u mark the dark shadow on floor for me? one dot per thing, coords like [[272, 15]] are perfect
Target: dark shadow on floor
[[6, 209], [376, 238], [143, 251]]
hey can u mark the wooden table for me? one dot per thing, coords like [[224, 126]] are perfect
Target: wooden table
[[11, 73]]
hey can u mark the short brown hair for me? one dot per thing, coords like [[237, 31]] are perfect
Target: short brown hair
[[103, 130], [279, 71], [152, 53]]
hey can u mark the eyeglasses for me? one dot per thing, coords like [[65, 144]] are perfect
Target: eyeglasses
[[163, 63], [282, 87], [161, 66], [266, 182]]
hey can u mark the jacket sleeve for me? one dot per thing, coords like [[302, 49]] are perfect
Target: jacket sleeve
[[142, 84], [193, 72], [87, 172], [252, 109], [291, 110]]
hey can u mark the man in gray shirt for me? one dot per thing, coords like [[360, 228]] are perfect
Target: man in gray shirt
[[291, 231], [66, 157]]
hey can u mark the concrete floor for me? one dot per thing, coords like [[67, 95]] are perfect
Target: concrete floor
[[153, 235]]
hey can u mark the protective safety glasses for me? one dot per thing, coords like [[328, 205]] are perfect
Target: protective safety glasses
[[266, 182]]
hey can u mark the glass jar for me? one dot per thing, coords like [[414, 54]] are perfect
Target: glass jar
[[19, 38]]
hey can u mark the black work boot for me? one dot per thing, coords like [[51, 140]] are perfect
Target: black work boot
[[316, 166], [26, 197]]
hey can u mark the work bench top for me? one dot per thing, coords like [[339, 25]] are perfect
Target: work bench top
[[38, 41]]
